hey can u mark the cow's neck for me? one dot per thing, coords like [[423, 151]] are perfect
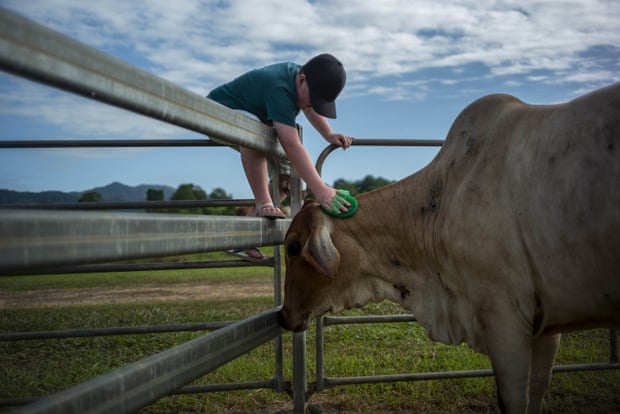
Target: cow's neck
[[402, 261], [395, 228]]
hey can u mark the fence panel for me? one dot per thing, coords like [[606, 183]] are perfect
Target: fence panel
[[39, 240]]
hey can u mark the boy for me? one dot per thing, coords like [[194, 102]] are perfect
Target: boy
[[275, 94]]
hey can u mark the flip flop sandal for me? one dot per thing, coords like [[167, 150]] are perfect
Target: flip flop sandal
[[242, 254], [262, 212]]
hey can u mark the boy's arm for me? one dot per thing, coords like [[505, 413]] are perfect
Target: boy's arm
[[302, 163], [320, 123], [298, 155]]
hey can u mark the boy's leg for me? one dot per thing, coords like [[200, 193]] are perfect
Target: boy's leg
[[255, 168]]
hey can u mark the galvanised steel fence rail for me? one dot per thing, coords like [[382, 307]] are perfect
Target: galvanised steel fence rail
[[33, 239]]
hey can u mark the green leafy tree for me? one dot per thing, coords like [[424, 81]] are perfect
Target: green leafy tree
[[153, 194], [341, 183], [370, 183], [221, 194], [364, 185], [189, 192], [90, 197]]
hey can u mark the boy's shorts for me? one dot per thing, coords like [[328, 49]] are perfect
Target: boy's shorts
[[283, 165]]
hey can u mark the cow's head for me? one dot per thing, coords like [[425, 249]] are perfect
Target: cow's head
[[316, 256]]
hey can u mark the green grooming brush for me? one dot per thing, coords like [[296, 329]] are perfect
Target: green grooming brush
[[338, 201]]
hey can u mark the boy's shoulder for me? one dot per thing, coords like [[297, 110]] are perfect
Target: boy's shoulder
[[278, 70]]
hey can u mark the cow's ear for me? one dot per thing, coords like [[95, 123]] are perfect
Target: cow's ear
[[321, 253]]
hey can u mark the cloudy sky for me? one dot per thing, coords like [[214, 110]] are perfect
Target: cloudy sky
[[412, 67]]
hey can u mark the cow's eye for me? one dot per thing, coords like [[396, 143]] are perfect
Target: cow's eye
[[293, 249]]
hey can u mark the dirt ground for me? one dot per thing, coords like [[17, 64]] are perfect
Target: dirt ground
[[152, 293]]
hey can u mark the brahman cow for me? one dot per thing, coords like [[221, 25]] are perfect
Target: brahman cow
[[508, 237]]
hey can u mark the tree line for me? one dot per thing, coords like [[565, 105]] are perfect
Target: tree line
[[192, 192]]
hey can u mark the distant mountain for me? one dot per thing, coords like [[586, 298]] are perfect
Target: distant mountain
[[111, 192], [122, 192]]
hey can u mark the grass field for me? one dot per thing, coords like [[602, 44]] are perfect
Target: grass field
[[35, 368]]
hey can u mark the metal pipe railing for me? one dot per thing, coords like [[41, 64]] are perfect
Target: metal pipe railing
[[34, 239], [130, 205], [114, 331], [378, 143], [108, 143], [140, 267]]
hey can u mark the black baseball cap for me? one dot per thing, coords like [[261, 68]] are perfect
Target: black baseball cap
[[326, 78]]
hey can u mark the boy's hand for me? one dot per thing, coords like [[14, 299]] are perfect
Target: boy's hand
[[330, 200], [341, 140]]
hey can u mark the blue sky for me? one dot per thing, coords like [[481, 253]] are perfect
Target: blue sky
[[412, 67]]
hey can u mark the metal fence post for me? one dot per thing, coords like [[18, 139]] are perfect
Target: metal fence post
[[613, 346], [299, 339], [320, 352], [299, 372], [277, 298]]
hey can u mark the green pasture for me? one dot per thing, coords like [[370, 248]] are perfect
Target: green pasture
[[35, 368]]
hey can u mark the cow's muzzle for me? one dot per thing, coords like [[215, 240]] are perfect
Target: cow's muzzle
[[287, 322]]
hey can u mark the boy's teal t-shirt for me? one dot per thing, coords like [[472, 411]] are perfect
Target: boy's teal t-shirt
[[269, 93]]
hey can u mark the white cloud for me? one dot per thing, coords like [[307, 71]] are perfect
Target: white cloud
[[205, 42]]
